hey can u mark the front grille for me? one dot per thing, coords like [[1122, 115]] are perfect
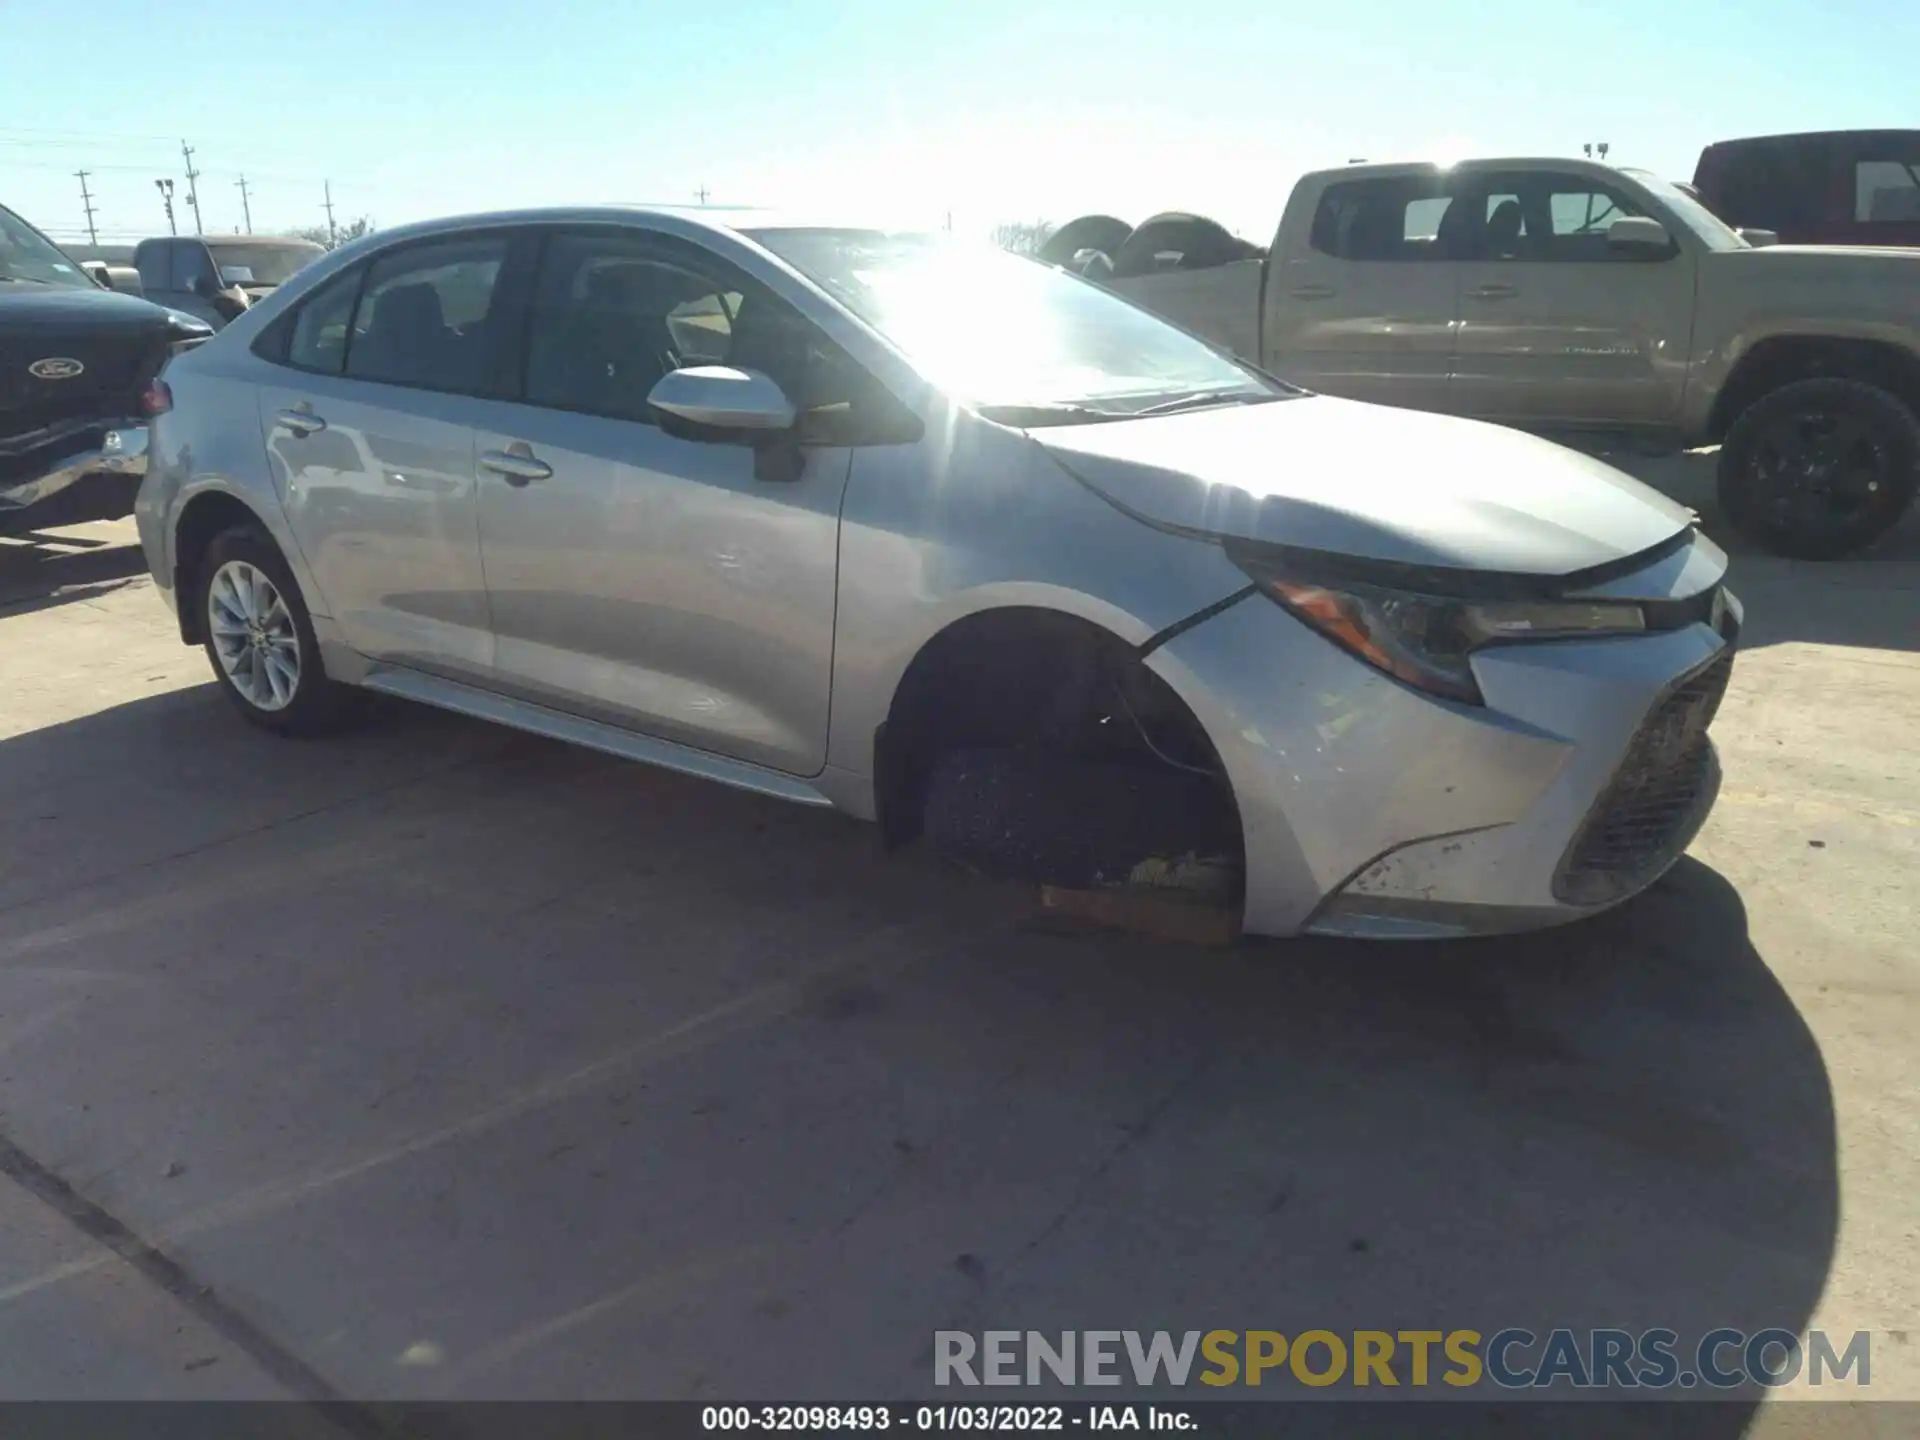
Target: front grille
[[118, 365], [1656, 799]]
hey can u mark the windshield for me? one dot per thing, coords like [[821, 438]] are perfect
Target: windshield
[[270, 264], [1712, 230], [29, 257], [1007, 333]]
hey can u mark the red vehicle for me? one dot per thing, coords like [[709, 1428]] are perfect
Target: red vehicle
[[1836, 187]]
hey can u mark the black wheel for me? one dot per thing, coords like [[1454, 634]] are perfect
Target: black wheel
[[259, 637], [1024, 814], [1820, 468], [1089, 232], [1199, 243]]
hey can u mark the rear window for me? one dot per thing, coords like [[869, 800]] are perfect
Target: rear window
[[1401, 218], [1887, 191]]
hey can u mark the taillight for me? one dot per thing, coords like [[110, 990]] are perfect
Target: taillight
[[157, 399]]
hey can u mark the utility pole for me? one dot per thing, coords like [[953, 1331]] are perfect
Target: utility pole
[[701, 194], [245, 208], [193, 195], [333, 235], [93, 235], [165, 187]]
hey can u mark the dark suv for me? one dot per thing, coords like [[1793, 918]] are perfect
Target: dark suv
[[1836, 187], [76, 364]]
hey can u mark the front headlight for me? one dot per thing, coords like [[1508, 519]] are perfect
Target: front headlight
[[1428, 640]]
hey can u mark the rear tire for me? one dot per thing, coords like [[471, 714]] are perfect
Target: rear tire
[[1820, 468], [260, 639], [1051, 819]]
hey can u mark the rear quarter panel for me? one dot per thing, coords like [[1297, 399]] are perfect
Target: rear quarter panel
[[210, 443]]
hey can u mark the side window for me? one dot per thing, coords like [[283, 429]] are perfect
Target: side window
[[1401, 218], [614, 312], [318, 340], [1554, 217], [1886, 191], [150, 259], [191, 263], [422, 317]]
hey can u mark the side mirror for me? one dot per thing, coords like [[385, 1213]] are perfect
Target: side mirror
[[718, 402], [1758, 238], [126, 279], [1639, 233]]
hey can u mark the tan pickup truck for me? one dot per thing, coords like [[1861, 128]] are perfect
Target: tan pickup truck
[[1605, 307]]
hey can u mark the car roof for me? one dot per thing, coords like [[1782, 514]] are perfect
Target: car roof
[[1472, 165], [289, 242], [1807, 136]]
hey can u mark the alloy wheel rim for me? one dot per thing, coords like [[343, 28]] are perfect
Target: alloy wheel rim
[[1820, 469], [253, 635]]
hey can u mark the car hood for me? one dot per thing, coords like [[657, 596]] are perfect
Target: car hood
[[1397, 486], [82, 308]]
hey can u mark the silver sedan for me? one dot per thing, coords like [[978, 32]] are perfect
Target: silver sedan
[[951, 541]]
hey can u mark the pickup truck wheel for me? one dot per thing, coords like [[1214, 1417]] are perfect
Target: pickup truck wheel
[[1820, 468], [260, 640]]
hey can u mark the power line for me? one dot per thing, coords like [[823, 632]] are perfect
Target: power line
[[86, 200]]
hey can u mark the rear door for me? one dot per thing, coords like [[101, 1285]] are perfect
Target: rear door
[[1364, 303], [1559, 330], [386, 370], [673, 586]]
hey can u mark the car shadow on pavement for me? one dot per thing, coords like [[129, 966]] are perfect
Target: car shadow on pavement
[[39, 571], [579, 1079]]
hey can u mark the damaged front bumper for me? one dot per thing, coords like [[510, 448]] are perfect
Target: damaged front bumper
[[40, 469]]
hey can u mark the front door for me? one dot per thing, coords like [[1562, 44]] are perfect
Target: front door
[[1364, 304], [1558, 329], [372, 439], [679, 587]]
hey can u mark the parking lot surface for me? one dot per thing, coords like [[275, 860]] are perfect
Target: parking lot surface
[[440, 1061]]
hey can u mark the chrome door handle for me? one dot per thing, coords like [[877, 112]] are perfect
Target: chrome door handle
[[1494, 292], [301, 421], [518, 464], [1311, 292]]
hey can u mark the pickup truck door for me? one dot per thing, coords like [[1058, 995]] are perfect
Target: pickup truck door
[[1558, 329], [1360, 301]]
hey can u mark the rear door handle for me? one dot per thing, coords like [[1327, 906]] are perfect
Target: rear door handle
[[517, 463], [1311, 292], [300, 420], [1494, 292]]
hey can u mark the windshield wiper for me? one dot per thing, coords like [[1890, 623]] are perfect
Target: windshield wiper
[[1036, 416], [1200, 400]]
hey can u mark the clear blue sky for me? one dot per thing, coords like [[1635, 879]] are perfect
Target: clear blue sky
[[992, 110]]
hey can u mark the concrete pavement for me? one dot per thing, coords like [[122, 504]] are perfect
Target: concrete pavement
[[454, 1063]]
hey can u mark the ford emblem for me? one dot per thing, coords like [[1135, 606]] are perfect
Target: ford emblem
[[55, 367]]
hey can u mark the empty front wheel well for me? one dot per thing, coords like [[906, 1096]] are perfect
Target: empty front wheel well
[[1027, 678], [205, 517], [1787, 358]]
